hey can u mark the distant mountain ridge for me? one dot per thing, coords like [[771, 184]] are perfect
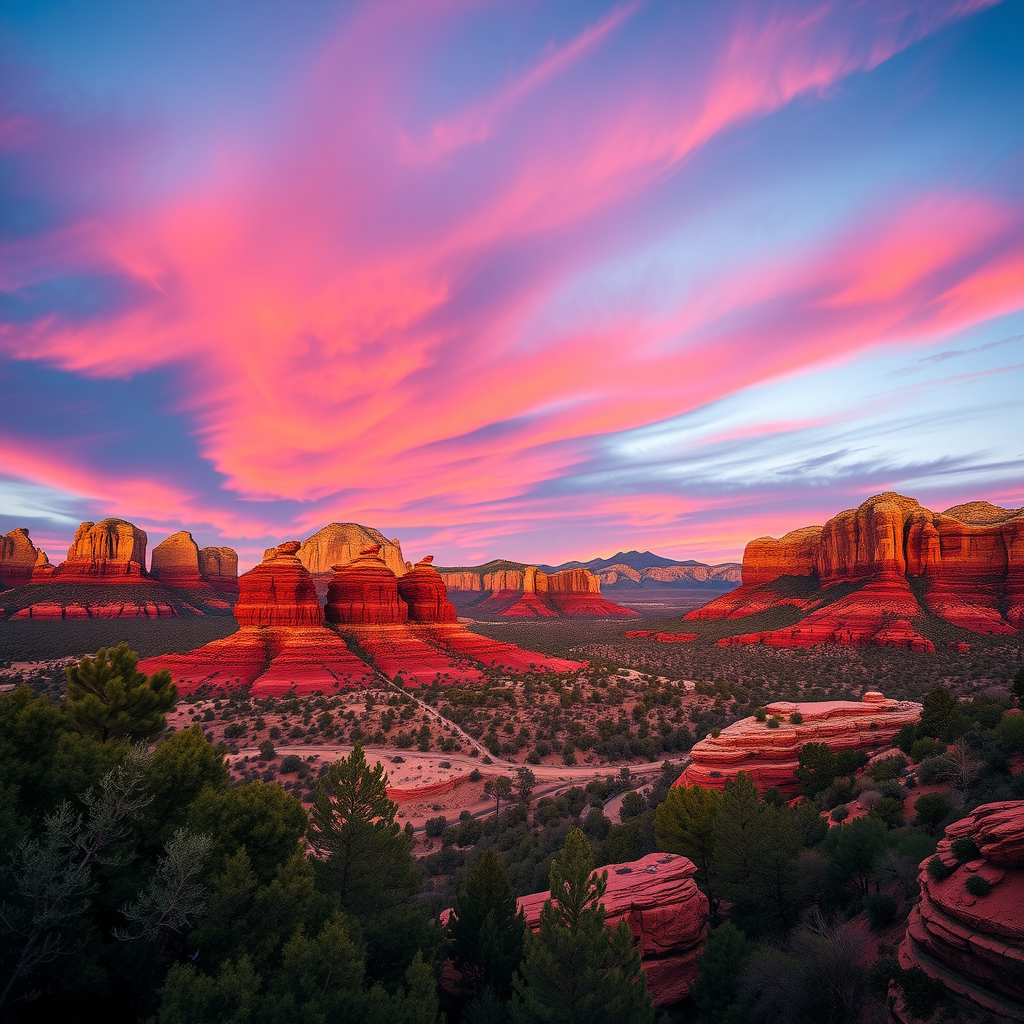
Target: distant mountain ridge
[[633, 559]]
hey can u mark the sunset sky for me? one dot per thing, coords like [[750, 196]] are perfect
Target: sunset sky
[[528, 280]]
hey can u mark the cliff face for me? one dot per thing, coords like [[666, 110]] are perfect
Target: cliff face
[[624, 576], [423, 590], [176, 561], [219, 567], [365, 592], [771, 756], [341, 543], [112, 549], [18, 557], [666, 912], [529, 592], [974, 945], [969, 560]]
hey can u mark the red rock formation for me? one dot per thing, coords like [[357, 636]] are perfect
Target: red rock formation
[[219, 567], [402, 653], [662, 638], [44, 568], [175, 561], [97, 610], [423, 590], [528, 592], [657, 897], [278, 593], [970, 559], [365, 592], [341, 543], [110, 550], [770, 756], [17, 558], [974, 945]]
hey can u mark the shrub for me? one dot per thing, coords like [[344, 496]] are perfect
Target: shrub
[[633, 805], [887, 768], [716, 732], [964, 849], [796, 718], [931, 809], [840, 813], [890, 811], [761, 714], [234, 730], [475, 775], [930, 769], [869, 799], [925, 748], [774, 722], [978, 886], [880, 910], [267, 750], [905, 738], [937, 869], [435, 826], [920, 992], [291, 763]]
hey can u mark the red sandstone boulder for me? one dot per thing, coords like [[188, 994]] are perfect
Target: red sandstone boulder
[[365, 592], [771, 756], [110, 550], [98, 610], [278, 593], [423, 590], [18, 557], [462, 644], [766, 558], [974, 945], [657, 897]]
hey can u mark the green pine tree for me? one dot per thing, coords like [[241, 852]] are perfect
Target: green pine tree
[[576, 969]]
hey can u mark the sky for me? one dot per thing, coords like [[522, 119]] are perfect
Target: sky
[[538, 281]]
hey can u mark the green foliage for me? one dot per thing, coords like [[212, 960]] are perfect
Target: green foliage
[[937, 869], [486, 930], [1018, 686], [921, 992], [880, 910], [816, 769], [976, 885], [761, 714], [853, 849], [109, 699], [796, 718], [684, 823], [887, 768], [715, 991], [840, 813], [498, 788], [633, 805], [939, 707], [1010, 730], [291, 763], [931, 810], [267, 750], [774, 722], [925, 747], [435, 826], [889, 811], [575, 969], [965, 849]]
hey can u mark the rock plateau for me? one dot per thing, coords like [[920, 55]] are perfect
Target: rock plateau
[[18, 558], [974, 945], [109, 550], [770, 756]]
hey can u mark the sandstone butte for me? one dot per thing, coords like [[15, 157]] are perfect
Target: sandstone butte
[[282, 645], [18, 558], [423, 590], [974, 945], [110, 550], [657, 897], [770, 756], [219, 567], [528, 592], [850, 580], [179, 562]]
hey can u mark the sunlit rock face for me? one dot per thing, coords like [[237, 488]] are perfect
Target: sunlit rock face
[[341, 543], [219, 567], [973, 944], [112, 549], [423, 590], [849, 581], [657, 897], [175, 561], [279, 592], [771, 756], [18, 558], [365, 592]]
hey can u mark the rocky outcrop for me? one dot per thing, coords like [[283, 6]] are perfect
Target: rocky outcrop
[[279, 592], [365, 591], [666, 912], [110, 550], [625, 577], [44, 568], [770, 756], [662, 638], [52, 610], [423, 590], [973, 944], [175, 561], [219, 567], [341, 543], [462, 644], [515, 591], [850, 579], [18, 557]]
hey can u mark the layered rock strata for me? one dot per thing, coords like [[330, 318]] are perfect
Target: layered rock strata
[[771, 756], [44, 568], [175, 561], [53, 610], [113, 549], [850, 579], [365, 592], [219, 567], [973, 944], [18, 557], [666, 912], [278, 593], [341, 543], [424, 592], [511, 591]]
